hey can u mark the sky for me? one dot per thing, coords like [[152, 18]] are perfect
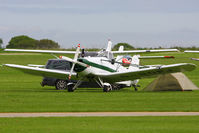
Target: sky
[[141, 23]]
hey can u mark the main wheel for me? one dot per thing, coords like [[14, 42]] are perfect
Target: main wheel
[[107, 88], [61, 84], [70, 87]]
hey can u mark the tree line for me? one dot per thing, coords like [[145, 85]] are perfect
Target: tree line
[[1, 42], [26, 42]]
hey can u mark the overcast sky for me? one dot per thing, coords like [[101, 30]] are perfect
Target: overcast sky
[[142, 23]]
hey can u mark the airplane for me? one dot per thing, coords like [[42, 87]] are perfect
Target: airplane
[[102, 68], [192, 51]]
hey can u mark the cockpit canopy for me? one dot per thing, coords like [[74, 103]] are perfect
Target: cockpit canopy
[[101, 53]]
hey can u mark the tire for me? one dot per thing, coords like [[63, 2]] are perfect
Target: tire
[[107, 88], [70, 87], [61, 84]]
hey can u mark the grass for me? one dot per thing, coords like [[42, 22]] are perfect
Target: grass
[[183, 124], [20, 92]]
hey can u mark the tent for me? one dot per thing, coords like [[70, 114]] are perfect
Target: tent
[[171, 82]]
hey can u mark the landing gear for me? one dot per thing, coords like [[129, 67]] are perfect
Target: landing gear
[[134, 84], [71, 87], [116, 87], [107, 88], [61, 84], [135, 87]]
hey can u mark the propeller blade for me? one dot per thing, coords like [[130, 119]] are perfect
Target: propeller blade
[[71, 60], [74, 60], [69, 77]]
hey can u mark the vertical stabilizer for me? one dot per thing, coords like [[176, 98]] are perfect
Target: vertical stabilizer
[[109, 46], [135, 60], [121, 48], [119, 57]]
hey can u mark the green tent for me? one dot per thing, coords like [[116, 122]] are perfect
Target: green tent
[[171, 82]]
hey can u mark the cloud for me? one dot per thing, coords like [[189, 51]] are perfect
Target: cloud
[[102, 6], [92, 22]]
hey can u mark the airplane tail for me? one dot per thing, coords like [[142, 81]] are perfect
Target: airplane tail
[[128, 60], [109, 46], [121, 48], [119, 57], [135, 60]]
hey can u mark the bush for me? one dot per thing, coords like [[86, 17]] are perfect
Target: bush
[[126, 46]]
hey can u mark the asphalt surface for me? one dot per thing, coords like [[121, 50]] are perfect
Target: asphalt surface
[[85, 114]]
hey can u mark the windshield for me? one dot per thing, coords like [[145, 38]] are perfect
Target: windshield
[[106, 54]]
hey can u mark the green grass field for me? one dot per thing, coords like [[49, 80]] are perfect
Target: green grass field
[[21, 92], [183, 124]]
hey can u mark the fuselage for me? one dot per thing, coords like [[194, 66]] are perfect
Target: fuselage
[[100, 65]]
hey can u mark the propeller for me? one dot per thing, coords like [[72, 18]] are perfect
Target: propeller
[[83, 52], [74, 60]]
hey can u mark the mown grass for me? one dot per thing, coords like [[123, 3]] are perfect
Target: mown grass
[[174, 124], [21, 92]]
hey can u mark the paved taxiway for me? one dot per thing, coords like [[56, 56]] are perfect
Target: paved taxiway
[[84, 114]]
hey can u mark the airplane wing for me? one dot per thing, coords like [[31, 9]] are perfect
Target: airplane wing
[[142, 51], [42, 71], [190, 51], [195, 59], [152, 57], [145, 72], [42, 51]]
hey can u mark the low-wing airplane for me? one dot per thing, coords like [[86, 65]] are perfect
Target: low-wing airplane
[[102, 68], [192, 51]]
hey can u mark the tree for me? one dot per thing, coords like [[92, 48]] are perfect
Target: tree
[[22, 42], [126, 46], [46, 43], [1, 42], [26, 42]]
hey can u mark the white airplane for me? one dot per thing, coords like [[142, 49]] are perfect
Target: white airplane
[[102, 68], [191, 51]]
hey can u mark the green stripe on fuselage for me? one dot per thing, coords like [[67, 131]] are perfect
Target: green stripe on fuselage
[[96, 65]]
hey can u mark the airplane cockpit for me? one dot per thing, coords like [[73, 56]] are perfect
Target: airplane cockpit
[[106, 54], [101, 53]]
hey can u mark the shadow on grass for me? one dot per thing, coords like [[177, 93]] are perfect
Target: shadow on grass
[[78, 90]]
